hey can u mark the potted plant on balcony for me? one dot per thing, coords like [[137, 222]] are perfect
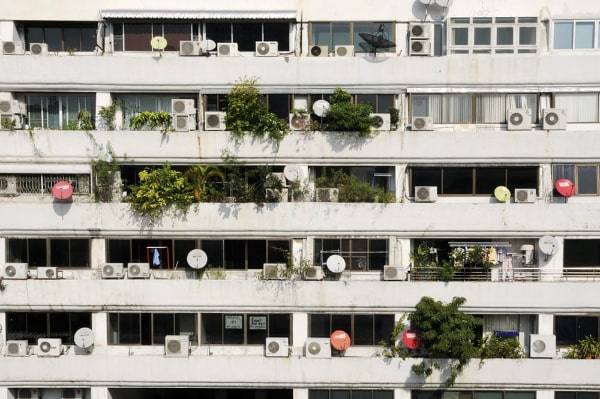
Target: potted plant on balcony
[[586, 348], [201, 177]]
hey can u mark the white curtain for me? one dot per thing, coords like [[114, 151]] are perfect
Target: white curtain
[[491, 108], [581, 107], [456, 108]]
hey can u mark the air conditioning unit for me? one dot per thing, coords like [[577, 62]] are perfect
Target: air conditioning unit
[[184, 123], [518, 119], [554, 119], [274, 271], [425, 193], [189, 47], [177, 345], [394, 273], [12, 107], [138, 270], [318, 347], [420, 47], [112, 270], [72, 393], [344, 51], [47, 273], [266, 49], [14, 271], [12, 48], [214, 120], [319, 51], [424, 123], [38, 48], [8, 185], [49, 347], [276, 347], [17, 347], [183, 106], [299, 121], [543, 346], [525, 195], [313, 273], [227, 49], [419, 30], [28, 393], [381, 121], [327, 194]]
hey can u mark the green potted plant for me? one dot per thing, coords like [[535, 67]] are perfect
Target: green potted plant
[[201, 177], [586, 348]]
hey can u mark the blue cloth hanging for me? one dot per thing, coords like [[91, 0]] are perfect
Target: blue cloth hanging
[[156, 258]]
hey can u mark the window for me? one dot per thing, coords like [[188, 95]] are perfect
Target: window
[[418, 394], [580, 107], [150, 328], [34, 325], [61, 252], [359, 254], [585, 177], [493, 35], [473, 180], [231, 254], [42, 184], [570, 329], [576, 35], [380, 103], [246, 34], [575, 395], [350, 394], [581, 253], [244, 329], [136, 36], [136, 103], [364, 329], [63, 36], [57, 111], [471, 108], [333, 34]]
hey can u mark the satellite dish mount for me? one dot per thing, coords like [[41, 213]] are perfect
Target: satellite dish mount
[[158, 43], [376, 40]]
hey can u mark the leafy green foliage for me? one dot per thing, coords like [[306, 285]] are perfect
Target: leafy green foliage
[[84, 120], [586, 348], [494, 347], [207, 182], [108, 114], [158, 190], [344, 116], [152, 120], [245, 184], [446, 332], [351, 189], [394, 117], [104, 174], [248, 114]]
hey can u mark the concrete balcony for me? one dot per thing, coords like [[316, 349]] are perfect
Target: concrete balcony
[[387, 73]]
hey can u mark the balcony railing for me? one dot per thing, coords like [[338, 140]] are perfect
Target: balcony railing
[[498, 273]]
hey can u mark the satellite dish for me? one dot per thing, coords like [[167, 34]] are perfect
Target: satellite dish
[[293, 172], [208, 45], [443, 3], [158, 43], [565, 187], [340, 340], [548, 245], [62, 190], [502, 194], [336, 264], [197, 258], [84, 338], [426, 2], [320, 108], [410, 338]]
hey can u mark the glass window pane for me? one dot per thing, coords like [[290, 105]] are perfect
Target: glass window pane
[[214, 252], [233, 329], [138, 36], [487, 395], [527, 35], [521, 177], [53, 37], [320, 325], [235, 254], [383, 394], [246, 35], [587, 326], [341, 322], [505, 20], [487, 179], [482, 20], [563, 35], [339, 394], [185, 324], [377, 254], [420, 105], [460, 36], [220, 32], [565, 330], [361, 394], [320, 34], [483, 36], [426, 177], [278, 32], [16, 325], [318, 394], [37, 252], [587, 180], [504, 36], [279, 325], [563, 172], [363, 330], [584, 35], [59, 252], [162, 325], [212, 328], [457, 181], [519, 395], [129, 328], [88, 39], [340, 34], [257, 329], [257, 253]]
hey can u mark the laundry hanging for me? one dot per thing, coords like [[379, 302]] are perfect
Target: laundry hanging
[[155, 258]]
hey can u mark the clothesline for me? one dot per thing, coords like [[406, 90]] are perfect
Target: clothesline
[[497, 244]]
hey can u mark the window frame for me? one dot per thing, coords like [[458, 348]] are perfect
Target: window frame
[[337, 321], [271, 328], [353, 258], [574, 176], [50, 326], [471, 24], [573, 45], [351, 39], [48, 252], [148, 328]]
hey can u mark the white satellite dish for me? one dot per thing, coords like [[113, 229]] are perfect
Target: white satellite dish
[[426, 2], [158, 43], [443, 3], [197, 258], [548, 245], [320, 107], [208, 45], [84, 338], [293, 172], [336, 264]]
